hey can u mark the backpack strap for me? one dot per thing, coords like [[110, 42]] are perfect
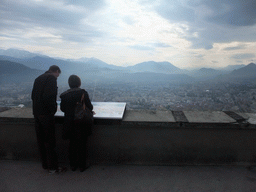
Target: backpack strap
[[82, 101], [82, 98]]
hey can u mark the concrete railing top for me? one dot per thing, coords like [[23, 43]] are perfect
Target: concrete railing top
[[146, 116]]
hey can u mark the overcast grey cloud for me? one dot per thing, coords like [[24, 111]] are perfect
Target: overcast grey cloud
[[233, 12], [176, 11], [37, 14], [212, 21], [161, 45], [128, 20], [234, 48], [244, 56], [142, 47], [90, 4], [150, 46], [200, 56], [59, 15]]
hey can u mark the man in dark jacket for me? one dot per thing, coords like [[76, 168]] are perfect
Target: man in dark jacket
[[44, 95]]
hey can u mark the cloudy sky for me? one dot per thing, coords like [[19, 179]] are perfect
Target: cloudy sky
[[186, 33]]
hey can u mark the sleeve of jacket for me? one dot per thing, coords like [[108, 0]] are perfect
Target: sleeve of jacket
[[63, 105], [50, 94], [87, 101], [32, 94], [33, 91]]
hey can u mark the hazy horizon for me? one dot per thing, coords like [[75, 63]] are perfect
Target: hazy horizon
[[23, 54], [188, 34]]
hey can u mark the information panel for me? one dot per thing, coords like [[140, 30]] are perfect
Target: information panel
[[103, 110]]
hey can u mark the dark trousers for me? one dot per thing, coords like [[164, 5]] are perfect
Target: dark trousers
[[45, 132], [78, 152]]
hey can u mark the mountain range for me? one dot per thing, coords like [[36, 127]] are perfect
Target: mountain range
[[23, 62]]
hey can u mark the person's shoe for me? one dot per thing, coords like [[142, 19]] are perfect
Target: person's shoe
[[73, 168], [45, 166], [61, 169], [82, 169], [251, 168], [58, 170], [52, 171]]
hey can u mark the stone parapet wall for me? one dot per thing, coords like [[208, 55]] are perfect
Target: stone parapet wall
[[144, 137]]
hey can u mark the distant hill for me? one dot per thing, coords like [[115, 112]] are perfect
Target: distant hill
[[8, 67], [11, 72], [92, 70], [156, 67], [232, 67], [43, 63], [67, 66], [239, 71], [16, 53], [149, 77], [245, 72], [82, 60], [206, 73], [97, 63]]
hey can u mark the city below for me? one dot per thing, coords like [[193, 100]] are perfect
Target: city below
[[239, 97]]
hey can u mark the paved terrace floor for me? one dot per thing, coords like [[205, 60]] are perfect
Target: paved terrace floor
[[29, 176]]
